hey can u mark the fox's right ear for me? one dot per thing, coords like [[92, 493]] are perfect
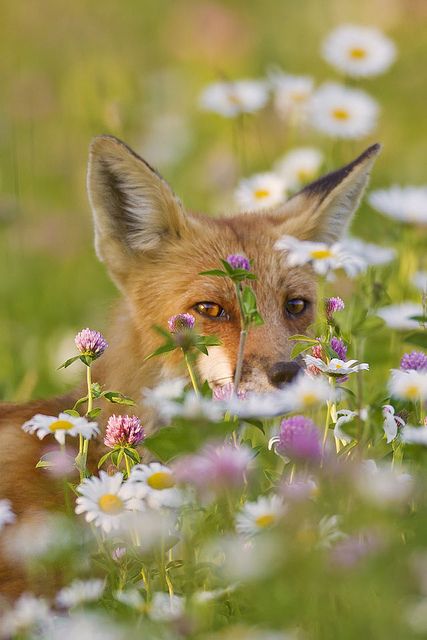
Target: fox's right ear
[[134, 209]]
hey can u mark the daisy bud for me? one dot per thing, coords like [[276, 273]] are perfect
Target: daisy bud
[[332, 305], [238, 262], [181, 322], [91, 343], [339, 347], [416, 361], [123, 431], [299, 439]]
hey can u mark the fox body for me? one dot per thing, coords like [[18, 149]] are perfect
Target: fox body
[[155, 251]]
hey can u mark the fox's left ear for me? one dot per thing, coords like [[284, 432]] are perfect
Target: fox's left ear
[[323, 209]]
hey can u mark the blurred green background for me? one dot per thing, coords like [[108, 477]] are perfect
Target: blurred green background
[[135, 69]]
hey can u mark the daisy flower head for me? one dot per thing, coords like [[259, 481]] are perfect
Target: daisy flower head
[[359, 52], [298, 439], [291, 95], [231, 99], [341, 112], [324, 258], [156, 484], [392, 423], [299, 166], [123, 431], [29, 614], [306, 392], [165, 608], [6, 514], [80, 591], [61, 426], [373, 255], [260, 191], [399, 316], [103, 500], [406, 204], [419, 280], [415, 435], [416, 360], [90, 343], [260, 515], [409, 385], [382, 485], [336, 367]]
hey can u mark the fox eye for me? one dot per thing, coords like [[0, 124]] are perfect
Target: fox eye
[[209, 310], [296, 306]]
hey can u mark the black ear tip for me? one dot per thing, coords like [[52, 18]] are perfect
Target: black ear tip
[[373, 150]]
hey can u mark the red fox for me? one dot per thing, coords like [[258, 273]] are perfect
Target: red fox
[[154, 251]]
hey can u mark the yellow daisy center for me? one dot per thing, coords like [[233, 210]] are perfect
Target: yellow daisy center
[[299, 96], [309, 399], [110, 503], [338, 366], [58, 425], [412, 391], [358, 53], [340, 113], [304, 174], [233, 99], [261, 193], [266, 520], [320, 254], [161, 480]]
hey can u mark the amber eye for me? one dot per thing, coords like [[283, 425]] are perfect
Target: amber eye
[[295, 306], [209, 310]]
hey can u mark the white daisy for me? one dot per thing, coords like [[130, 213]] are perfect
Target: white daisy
[[329, 531], [391, 422], [337, 367], [359, 51], [156, 484], [260, 515], [342, 112], [165, 608], [260, 191], [299, 166], [398, 316], [419, 280], [80, 591], [345, 416], [414, 435], [192, 407], [103, 500], [84, 626], [60, 426], [259, 405], [324, 258], [382, 485], [306, 392], [407, 204], [291, 95], [28, 614], [231, 99], [6, 514], [408, 385], [372, 254]]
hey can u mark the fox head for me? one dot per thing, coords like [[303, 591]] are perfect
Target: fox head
[[155, 250]]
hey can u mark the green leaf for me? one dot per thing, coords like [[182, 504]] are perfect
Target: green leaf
[[301, 338], [422, 319], [44, 464], [132, 454], [104, 458], [163, 332], [94, 413], [299, 348], [163, 349], [211, 341], [255, 423], [118, 398], [214, 272], [72, 412], [119, 457], [370, 325], [68, 362], [419, 338]]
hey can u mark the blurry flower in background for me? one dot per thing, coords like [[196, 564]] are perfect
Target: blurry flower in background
[[298, 439], [398, 316], [262, 514], [341, 112], [407, 204], [306, 392], [414, 435], [291, 95], [231, 99], [60, 426], [260, 191], [243, 559], [6, 514], [164, 607], [299, 166], [391, 423], [167, 140], [416, 360], [80, 591], [359, 51], [84, 626], [419, 280], [29, 614], [383, 486], [372, 254], [409, 385]]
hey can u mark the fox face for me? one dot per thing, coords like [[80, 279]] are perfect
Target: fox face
[[155, 251]]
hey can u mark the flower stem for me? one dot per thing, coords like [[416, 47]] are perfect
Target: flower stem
[[192, 374], [239, 363]]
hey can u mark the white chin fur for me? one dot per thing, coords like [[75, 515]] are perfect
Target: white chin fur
[[215, 367]]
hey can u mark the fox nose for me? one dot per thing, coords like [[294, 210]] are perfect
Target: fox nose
[[283, 372]]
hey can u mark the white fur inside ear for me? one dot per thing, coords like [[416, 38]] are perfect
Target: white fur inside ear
[[215, 367]]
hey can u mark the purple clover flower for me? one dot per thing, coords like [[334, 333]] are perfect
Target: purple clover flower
[[332, 305], [90, 343], [226, 392], [123, 431], [238, 262], [299, 439], [416, 360], [181, 322], [339, 347]]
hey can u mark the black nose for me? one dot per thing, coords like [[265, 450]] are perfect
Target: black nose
[[283, 372]]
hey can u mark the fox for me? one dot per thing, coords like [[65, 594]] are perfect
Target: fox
[[155, 250]]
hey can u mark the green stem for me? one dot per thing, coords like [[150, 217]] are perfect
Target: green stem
[[240, 355], [127, 465], [325, 433], [89, 390], [192, 374]]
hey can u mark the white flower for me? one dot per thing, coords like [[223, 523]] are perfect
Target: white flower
[[242, 559], [148, 529], [371, 254], [80, 591], [398, 316], [409, 385], [165, 391], [341, 112], [337, 367], [299, 166], [419, 280], [60, 426], [201, 597], [257, 516], [192, 407], [260, 191], [131, 598], [383, 485], [6, 514], [305, 392], [259, 405], [165, 608], [324, 258], [345, 416], [407, 204], [391, 422], [414, 435], [291, 95], [155, 484], [230, 99], [103, 500], [329, 531], [28, 614], [84, 626], [359, 51]]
